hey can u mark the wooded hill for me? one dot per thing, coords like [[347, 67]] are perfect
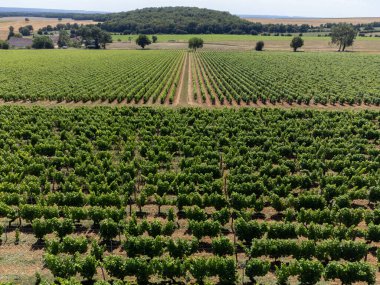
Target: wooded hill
[[166, 20], [176, 20]]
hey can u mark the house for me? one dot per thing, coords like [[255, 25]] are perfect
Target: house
[[20, 42]]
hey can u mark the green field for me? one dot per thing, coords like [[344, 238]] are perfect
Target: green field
[[288, 77], [174, 194], [229, 38], [224, 77], [211, 38], [79, 75]]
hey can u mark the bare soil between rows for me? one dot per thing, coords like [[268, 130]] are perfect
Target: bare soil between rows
[[183, 103]]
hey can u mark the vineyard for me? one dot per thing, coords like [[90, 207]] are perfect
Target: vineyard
[[314, 78], [214, 78], [190, 196], [130, 77]]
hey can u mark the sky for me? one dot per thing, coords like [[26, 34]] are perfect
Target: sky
[[306, 8]]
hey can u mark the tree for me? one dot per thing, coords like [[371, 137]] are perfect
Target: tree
[[11, 32], [43, 42], [24, 31], [63, 39], [143, 41], [195, 43], [343, 35], [154, 39], [259, 46], [94, 37], [296, 43], [104, 39]]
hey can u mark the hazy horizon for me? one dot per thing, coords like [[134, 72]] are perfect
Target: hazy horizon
[[291, 8]]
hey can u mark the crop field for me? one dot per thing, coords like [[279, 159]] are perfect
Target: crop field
[[313, 42], [214, 38], [245, 78], [233, 38], [179, 78], [316, 22], [78, 75], [36, 22], [189, 195]]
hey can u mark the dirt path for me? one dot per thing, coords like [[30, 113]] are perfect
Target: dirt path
[[197, 101], [182, 95], [190, 91]]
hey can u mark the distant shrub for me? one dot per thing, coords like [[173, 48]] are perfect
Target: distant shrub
[[4, 45], [259, 46]]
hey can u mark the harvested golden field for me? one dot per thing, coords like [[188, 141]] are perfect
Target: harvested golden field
[[36, 22], [315, 21]]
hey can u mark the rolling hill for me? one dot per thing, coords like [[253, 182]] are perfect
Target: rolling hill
[[175, 20]]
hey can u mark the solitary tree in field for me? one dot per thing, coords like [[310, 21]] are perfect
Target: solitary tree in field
[[343, 35], [195, 43], [154, 39], [11, 32], [259, 46], [296, 43], [143, 41]]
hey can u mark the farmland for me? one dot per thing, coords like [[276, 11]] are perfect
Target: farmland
[[252, 77], [132, 77], [180, 78], [190, 194], [214, 38], [36, 22], [316, 22], [313, 42], [220, 164]]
